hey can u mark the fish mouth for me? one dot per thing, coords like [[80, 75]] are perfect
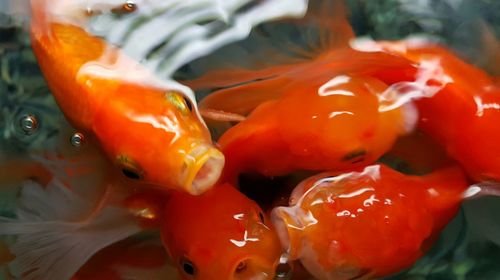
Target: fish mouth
[[202, 168]]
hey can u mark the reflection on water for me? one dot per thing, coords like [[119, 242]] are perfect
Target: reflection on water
[[465, 250]]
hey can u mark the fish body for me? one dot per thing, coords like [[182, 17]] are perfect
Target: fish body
[[463, 115], [368, 224], [150, 132], [320, 109], [219, 235], [327, 117]]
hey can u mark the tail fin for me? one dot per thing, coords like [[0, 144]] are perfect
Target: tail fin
[[152, 272], [49, 245], [39, 17], [272, 50]]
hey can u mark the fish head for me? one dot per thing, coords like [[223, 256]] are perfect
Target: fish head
[[157, 138], [219, 235]]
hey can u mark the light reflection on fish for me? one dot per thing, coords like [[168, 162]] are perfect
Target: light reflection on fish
[[97, 100]]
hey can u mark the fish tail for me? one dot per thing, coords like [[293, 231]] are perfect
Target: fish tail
[[335, 29], [49, 244], [15, 171], [271, 51], [39, 11]]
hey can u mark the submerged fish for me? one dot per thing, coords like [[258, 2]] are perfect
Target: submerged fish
[[367, 224], [67, 222], [463, 116], [219, 235], [321, 113], [151, 132]]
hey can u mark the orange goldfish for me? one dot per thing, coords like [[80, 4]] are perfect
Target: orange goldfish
[[370, 223], [151, 133], [219, 235], [67, 223], [323, 113], [463, 116]]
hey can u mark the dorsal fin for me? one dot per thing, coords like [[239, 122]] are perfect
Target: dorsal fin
[[334, 28], [272, 50]]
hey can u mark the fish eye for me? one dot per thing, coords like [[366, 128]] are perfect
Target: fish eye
[[130, 168], [180, 102], [261, 216], [131, 174], [188, 267]]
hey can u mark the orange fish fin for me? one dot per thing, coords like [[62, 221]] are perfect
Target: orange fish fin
[[234, 76], [45, 221], [18, 170], [243, 99], [275, 48], [218, 115]]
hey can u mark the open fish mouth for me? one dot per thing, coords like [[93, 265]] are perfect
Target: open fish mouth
[[202, 168]]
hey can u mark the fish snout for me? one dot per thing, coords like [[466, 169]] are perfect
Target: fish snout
[[201, 169]]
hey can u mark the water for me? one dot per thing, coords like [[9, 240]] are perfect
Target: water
[[469, 248]]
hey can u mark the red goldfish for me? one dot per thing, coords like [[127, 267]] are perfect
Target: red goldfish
[[136, 258], [219, 235], [463, 116], [323, 113], [370, 223], [151, 133]]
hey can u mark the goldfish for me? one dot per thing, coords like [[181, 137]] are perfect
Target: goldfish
[[322, 113], [66, 220], [134, 258], [463, 115], [369, 223], [150, 131], [219, 235]]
